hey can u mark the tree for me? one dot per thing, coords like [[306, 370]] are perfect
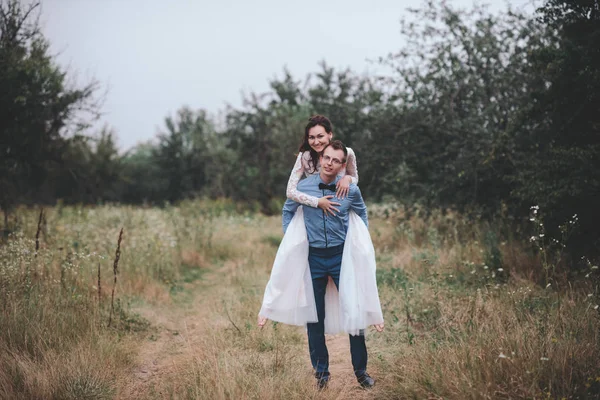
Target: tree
[[182, 153], [457, 86], [106, 167], [559, 167], [265, 136], [142, 176], [38, 106]]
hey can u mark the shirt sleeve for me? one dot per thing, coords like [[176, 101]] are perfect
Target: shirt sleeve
[[289, 209], [292, 191], [351, 168], [358, 205]]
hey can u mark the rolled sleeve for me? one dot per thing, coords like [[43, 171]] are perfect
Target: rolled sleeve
[[289, 209], [358, 205]]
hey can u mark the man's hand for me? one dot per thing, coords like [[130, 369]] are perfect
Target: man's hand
[[262, 321], [379, 327], [327, 205]]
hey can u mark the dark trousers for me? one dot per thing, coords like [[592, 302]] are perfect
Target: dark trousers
[[323, 264]]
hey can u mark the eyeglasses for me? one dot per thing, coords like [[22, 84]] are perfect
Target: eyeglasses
[[334, 161]]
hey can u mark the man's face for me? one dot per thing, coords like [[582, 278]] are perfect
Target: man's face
[[332, 162]]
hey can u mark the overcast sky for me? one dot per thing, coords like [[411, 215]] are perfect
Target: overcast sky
[[154, 56]]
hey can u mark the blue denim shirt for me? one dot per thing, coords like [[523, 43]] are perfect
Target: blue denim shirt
[[324, 230]]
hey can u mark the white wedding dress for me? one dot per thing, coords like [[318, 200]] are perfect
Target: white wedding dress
[[289, 296]]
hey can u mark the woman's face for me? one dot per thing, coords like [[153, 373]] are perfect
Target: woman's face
[[318, 138]]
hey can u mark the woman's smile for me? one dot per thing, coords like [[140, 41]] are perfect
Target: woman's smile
[[318, 138]]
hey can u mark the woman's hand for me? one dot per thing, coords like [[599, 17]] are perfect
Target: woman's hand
[[343, 186], [327, 205]]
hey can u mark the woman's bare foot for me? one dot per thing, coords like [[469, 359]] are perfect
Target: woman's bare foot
[[261, 321]]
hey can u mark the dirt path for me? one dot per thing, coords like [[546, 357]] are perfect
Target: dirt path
[[177, 326], [343, 384], [160, 350], [167, 344]]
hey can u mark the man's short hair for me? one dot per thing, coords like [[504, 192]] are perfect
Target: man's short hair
[[338, 145]]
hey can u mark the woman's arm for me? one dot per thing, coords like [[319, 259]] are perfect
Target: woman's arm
[[293, 193], [351, 168], [350, 177]]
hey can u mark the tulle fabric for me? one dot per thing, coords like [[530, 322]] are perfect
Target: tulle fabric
[[358, 298], [289, 296]]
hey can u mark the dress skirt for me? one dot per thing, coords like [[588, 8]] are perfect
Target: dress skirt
[[289, 296]]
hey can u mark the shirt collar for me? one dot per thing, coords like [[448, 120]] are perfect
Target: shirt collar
[[337, 178]]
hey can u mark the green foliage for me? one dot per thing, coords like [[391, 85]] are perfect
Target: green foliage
[[559, 164], [91, 169], [458, 81], [395, 278], [484, 113], [37, 106], [492, 255], [181, 154]]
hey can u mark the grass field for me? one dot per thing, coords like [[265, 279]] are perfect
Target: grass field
[[471, 312]]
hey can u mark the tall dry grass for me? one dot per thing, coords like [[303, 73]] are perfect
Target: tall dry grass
[[53, 312], [468, 313]]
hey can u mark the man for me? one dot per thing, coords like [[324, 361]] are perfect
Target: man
[[326, 237]]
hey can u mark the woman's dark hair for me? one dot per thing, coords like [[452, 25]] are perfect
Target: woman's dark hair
[[312, 122]]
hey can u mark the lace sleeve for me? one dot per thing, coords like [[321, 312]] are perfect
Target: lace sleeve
[[292, 192], [351, 168]]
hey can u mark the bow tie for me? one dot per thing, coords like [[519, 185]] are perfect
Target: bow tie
[[328, 187]]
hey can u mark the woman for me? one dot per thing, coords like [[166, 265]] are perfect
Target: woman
[[317, 134], [289, 295]]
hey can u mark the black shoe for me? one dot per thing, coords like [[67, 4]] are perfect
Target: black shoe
[[365, 381], [322, 382]]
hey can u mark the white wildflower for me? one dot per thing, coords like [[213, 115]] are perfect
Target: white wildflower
[[500, 269], [502, 355], [544, 359]]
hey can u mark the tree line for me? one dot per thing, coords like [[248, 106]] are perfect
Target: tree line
[[489, 114]]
